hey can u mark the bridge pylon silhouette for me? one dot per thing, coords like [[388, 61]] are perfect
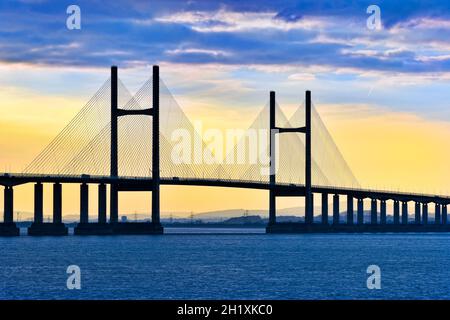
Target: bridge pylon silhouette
[[72, 172], [114, 226], [274, 129]]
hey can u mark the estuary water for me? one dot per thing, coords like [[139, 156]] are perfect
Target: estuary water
[[238, 264]]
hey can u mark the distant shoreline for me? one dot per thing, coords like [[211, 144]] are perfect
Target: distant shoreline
[[179, 225]]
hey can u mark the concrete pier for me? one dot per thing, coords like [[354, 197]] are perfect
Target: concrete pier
[[8, 213], [437, 213], [55, 228], [113, 204], [404, 212], [8, 227], [137, 228], [417, 213], [360, 210], [336, 209], [425, 213], [272, 207], [102, 203], [48, 229], [383, 212], [325, 208], [444, 214], [365, 228], [9, 230], [396, 212], [373, 211], [126, 228], [383, 226], [84, 203], [57, 203], [350, 210], [93, 228], [38, 203]]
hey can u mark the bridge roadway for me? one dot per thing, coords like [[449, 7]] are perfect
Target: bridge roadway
[[283, 189], [378, 212]]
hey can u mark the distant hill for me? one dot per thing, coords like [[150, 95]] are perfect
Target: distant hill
[[224, 214], [257, 220], [245, 220], [283, 215], [220, 215]]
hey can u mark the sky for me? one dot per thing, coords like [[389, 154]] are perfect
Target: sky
[[383, 93]]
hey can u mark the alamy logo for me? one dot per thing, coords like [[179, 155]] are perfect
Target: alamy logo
[[374, 20], [374, 279], [74, 20], [219, 147], [74, 279]]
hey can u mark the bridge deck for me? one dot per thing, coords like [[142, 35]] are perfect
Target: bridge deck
[[282, 189]]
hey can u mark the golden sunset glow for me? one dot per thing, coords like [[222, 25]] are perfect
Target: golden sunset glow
[[385, 149]]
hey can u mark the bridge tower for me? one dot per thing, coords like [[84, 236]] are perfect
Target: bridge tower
[[273, 192], [116, 112]]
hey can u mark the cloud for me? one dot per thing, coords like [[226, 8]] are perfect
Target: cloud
[[194, 51], [320, 33], [302, 76], [229, 21], [321, 43], [422, 23]]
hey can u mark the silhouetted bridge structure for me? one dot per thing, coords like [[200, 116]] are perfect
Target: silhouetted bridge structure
[[84, 167]]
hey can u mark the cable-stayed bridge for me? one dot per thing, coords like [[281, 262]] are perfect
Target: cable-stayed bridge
[[121, 142]]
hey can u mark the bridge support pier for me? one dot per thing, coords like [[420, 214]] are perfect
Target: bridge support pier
[[272, 208], [396, 212], [336, 209], [417, 213], [84, 203], [38, 203], [383, 212], [113, 204], [425, 213], [91, 228], [350, 210], [57, 203], [373, 211], [102, 203], [360, 211], [325, 208], [8, 227], [437, 213], [55, 228], [404, 212], [444, 214], [8, 213]]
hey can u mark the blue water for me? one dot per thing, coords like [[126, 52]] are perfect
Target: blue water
[[224, 266]]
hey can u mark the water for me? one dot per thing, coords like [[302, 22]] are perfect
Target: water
[[224, 266]]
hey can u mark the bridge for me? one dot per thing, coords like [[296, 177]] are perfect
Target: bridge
[[112, 144]]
